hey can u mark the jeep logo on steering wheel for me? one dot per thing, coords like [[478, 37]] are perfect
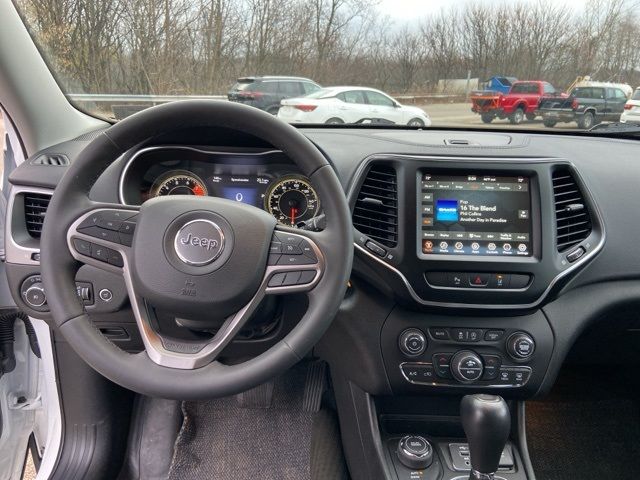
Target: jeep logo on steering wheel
[[199, 242]]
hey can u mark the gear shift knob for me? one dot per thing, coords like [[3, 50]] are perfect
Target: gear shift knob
[[486, 422]]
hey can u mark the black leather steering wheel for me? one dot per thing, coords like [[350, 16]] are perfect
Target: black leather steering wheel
[[194, 257]]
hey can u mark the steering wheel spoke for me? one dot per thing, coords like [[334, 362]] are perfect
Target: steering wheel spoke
[[103, 236]]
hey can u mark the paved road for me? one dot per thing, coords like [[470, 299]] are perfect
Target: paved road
[[460, 114]]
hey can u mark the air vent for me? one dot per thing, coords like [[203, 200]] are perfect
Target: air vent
[[376, 210], [51, 159], [573, 223], [35, 207]]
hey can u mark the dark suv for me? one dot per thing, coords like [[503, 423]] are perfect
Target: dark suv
[[265, 93], [588, 106]]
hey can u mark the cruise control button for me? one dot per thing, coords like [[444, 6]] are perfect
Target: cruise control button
[[275, 247], [114, 258], [289, 249], [125, 239], [273, 259], [287, 239], [91, 221], [82, 246], [307, 250], [295, 260], [100, 253]]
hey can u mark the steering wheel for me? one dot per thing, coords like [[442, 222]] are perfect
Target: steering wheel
[[193, 257]]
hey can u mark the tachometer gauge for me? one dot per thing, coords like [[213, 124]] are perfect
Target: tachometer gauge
[[178, 182], [292, 200]]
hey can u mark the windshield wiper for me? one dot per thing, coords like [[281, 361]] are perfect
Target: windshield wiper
[[617, 128]]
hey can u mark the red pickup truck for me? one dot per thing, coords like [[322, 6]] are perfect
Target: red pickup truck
[[521, 102]]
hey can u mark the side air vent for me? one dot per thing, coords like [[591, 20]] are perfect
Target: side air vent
[[573, 222], [51, 159], [376, 210], [35, 207]]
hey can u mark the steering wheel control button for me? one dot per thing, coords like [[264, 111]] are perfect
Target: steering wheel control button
[[199, 242], [306, 276], [295, 260], [105, 295], [466, 366], [101, 233], [100, 253], [275, 247], [127, 228], [82, 246], [520, 346], [415, 452], [307, 250], [114, 258], [412, 342]]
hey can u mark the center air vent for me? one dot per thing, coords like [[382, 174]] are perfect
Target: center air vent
[[573, 222], [35, 207], [376, 210], [51, 159]]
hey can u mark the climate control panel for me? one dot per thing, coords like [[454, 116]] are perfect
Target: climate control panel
[[481, 353]]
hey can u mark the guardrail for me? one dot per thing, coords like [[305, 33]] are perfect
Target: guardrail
[[115, 97]]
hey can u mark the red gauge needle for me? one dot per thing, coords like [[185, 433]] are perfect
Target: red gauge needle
[[293, 216]]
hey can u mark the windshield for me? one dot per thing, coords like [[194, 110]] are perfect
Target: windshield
[[463, 63]]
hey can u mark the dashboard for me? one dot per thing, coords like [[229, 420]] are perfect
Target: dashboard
[[505, 245], [265, 179]]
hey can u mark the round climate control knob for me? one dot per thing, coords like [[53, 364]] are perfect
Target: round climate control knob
[[466, 366], [412, 342], [415, 452], [520, 346]]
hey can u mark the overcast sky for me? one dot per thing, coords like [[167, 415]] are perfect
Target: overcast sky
[[413, 9]]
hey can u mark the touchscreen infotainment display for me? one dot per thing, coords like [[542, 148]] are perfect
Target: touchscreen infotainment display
[[475, 215]]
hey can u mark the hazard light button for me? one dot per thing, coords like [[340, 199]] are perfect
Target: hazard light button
[[479, 279]]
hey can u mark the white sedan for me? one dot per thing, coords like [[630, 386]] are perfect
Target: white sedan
[[335, 105]]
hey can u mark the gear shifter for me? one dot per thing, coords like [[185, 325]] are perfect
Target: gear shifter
[[486, 422]]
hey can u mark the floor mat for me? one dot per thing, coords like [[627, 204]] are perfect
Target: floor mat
[[225, 439], [585, 430]]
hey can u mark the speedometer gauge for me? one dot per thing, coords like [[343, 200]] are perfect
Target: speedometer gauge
[[292, 200], [178, 182]]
